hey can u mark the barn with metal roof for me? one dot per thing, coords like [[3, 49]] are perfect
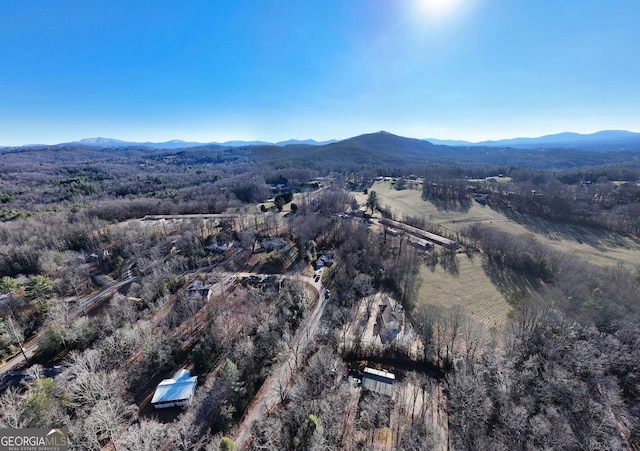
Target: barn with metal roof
[[175, 392], [378, 381]]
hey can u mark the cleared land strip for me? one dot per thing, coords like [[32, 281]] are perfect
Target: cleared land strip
[[268, 397]]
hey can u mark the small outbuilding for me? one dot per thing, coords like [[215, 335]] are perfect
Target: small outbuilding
[[420, 243], [175, 392], [393, 232], [481, 199], [378, 381]]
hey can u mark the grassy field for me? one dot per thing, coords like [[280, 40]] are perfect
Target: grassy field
[[592, 245], [470, 288]]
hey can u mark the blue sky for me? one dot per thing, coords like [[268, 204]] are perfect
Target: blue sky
[[209, 70]]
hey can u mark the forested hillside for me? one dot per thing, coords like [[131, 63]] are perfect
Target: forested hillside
[[272, 275]]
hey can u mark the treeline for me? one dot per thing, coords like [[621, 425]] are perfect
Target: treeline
[[563, 375], [586, 292], [213, 179], [517, 252], [587, 197], [560, 384]]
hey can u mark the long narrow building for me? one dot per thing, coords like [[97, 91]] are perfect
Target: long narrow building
[[420, 233]]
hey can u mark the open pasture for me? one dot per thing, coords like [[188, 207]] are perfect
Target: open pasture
[[469, 287], [593, 245]]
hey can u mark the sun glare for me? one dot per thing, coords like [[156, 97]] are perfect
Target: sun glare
[[439, 9]]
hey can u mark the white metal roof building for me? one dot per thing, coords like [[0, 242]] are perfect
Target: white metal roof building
[[176, 391], [378, 381]]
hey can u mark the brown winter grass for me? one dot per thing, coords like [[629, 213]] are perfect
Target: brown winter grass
[[470, 288], [589, 244]]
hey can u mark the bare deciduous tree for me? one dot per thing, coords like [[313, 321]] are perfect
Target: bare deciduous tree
[[146, 435], [15, 332], [12, 412], [472, 336], [106, 422]]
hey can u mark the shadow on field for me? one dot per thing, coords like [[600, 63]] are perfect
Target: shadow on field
[[506, 279], [600, 239], [447, 260], [449, 205]]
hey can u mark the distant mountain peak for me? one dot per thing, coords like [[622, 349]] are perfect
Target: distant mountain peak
[[308, 142], [384, 136], [100, 141]]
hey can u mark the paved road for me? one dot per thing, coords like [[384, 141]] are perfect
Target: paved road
[[268, 397]]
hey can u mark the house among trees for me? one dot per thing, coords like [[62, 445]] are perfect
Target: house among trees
[[198, 290], [265, 283], [378, 381], [97, 257], [175, 392], [220, 248], [390, 320], [324, 260], [275, 244]]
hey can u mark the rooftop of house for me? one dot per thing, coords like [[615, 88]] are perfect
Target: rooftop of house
[[181, 386], [197, 285]]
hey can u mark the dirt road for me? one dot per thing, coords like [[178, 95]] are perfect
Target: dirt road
[[268, 397]]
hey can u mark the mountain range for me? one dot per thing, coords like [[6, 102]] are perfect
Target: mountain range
[[603, 140], [179, 144], [367, 150]]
